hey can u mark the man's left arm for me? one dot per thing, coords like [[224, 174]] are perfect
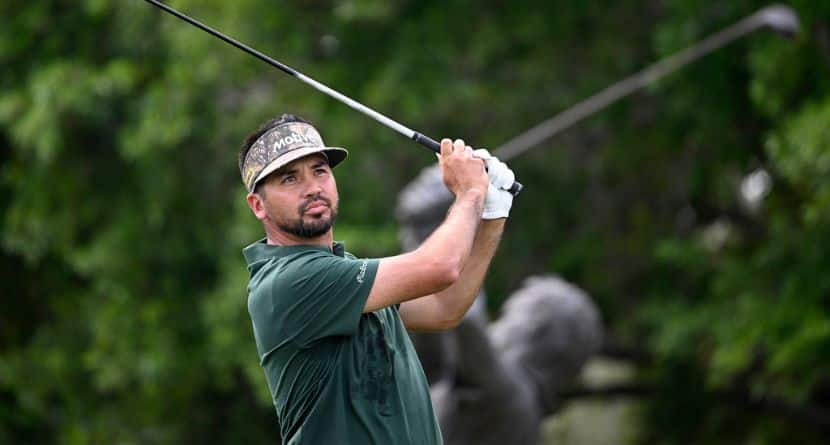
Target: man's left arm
[[445, 309]]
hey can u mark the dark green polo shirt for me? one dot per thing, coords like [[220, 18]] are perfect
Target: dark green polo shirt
[[336, 375]]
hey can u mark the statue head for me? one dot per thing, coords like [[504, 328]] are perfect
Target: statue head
[[549, 328], [422, 206]]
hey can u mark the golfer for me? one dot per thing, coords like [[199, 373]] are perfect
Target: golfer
[[330, 328]]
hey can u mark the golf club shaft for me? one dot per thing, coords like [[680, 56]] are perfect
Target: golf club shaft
[[422, 139], [775, 17]]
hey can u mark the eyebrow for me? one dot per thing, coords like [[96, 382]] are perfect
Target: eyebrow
[[294, 170], [281, 172]]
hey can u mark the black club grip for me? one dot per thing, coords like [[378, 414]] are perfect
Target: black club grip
[[431, 144]]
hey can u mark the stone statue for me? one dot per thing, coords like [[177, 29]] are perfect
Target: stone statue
[[494, 383]]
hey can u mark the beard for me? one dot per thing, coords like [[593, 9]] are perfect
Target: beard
[[317, 226]]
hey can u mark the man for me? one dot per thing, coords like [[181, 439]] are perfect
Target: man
[[330, 328]]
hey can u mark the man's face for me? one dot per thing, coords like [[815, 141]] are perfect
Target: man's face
[[301, 198]]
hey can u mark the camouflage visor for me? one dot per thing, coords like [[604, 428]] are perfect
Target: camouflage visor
[[281, 145]]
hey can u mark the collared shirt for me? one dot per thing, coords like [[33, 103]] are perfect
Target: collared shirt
[[336, 375]]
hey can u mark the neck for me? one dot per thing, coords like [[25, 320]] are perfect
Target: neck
[[280, 238]]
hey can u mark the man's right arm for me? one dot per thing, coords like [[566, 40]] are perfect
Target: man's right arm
[[433, 266], [438, 262]]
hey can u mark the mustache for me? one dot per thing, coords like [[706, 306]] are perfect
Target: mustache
[[318, 197]]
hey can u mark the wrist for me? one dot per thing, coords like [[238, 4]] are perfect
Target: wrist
[[473, 196]]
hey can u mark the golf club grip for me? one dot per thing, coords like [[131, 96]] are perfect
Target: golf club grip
[[431, 144]]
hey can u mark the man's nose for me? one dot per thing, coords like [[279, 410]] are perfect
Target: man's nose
[[314, 188]]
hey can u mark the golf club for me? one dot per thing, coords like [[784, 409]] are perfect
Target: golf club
[[781, 19], [422, 139]]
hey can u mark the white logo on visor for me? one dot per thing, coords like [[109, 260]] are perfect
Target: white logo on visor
[[294, 138]]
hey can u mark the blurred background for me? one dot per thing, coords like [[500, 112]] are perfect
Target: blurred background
[[695, 212]]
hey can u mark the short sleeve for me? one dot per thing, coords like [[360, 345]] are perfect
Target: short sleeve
[[321, 295]]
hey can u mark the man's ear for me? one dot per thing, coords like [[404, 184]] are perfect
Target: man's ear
[[257, 205]]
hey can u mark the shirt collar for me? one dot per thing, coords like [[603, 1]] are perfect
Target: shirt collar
[[261, 250]]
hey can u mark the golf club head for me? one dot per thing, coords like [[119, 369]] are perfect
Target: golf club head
[[782, 19]]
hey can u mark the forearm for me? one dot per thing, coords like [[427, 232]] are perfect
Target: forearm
[[454, 239], [457, 299], [436, 264]]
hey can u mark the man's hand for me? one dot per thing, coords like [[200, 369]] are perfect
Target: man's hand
[[461, 171], [498, 201]]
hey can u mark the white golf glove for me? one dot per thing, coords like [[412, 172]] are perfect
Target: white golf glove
[[498, 201]]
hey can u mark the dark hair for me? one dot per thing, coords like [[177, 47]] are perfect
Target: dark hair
[[251, 138]]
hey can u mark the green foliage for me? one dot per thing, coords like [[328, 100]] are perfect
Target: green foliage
[[753, 318], [123, 218]]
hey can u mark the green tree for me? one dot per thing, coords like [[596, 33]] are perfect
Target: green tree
[[121, 277]]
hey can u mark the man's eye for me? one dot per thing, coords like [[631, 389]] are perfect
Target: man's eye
[[321, 171], [288, 179]]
